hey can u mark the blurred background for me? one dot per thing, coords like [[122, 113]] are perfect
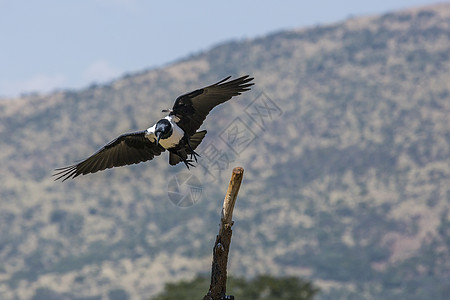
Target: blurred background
[[51, 44], [345, 142]]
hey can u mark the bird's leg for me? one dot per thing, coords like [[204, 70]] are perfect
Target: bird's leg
[[193, 153], [188, 163], [184, 158]]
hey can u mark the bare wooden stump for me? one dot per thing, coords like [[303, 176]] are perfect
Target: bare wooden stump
[[217, 289]]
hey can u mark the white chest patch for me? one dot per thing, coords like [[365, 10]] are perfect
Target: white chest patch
[[173, 139]]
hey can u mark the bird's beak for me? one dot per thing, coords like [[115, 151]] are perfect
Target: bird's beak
[[158, 136]]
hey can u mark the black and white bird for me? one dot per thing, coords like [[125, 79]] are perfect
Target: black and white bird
[[176, 133]]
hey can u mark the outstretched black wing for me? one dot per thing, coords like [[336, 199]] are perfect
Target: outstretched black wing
[[192, 108], [127, 149]]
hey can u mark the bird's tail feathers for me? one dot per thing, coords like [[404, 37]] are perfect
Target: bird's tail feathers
[[196, 139], [174, 158]]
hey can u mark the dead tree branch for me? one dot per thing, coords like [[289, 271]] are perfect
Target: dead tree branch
[[217, 289]]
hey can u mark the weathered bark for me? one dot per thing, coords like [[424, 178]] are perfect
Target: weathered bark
[[217, 289]]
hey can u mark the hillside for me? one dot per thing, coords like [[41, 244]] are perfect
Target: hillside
[[345, 141]]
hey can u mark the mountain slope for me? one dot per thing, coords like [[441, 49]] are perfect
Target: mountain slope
[[345, 141]]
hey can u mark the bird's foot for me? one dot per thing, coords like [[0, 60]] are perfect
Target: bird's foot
[[194, 155], [189, 163]]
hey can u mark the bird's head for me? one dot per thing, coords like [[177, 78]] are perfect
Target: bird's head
[[163, 129]]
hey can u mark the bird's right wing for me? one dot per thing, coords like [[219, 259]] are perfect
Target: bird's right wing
[[192, 108], [127, 149]]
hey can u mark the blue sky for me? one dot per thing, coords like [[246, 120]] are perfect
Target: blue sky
[[57, 44]]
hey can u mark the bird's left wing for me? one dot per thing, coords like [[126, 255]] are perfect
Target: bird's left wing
[[127, 149]]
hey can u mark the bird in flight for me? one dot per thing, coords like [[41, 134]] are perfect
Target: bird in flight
[[176, 133]]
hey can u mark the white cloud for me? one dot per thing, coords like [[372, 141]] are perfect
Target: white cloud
[[100, 71], [40, 83]]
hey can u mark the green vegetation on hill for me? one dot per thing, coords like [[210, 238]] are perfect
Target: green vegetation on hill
[[261, 287]]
